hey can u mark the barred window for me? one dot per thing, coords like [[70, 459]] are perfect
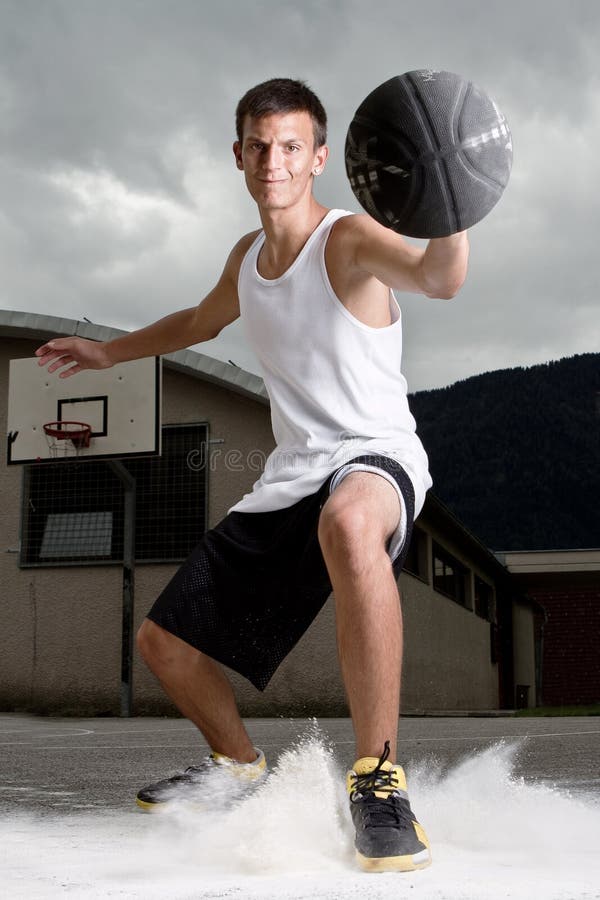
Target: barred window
[[73, 511], [449, 575]]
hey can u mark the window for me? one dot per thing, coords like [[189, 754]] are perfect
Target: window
[[449, 575], [416, 562], [484, 599], [77, 535], [73, 512]]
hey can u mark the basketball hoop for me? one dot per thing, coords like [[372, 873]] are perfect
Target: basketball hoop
[[58, 433]]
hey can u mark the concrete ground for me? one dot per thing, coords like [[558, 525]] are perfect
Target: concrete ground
[[70, 765], [511, 806]]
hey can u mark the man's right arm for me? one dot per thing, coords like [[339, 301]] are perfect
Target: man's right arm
[[174, 332]]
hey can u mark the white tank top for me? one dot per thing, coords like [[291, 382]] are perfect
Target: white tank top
[[334, 383]]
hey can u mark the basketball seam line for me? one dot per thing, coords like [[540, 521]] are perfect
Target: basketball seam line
[[461, 154], [443, 183]]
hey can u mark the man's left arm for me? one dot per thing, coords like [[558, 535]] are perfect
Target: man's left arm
[[438, 270]]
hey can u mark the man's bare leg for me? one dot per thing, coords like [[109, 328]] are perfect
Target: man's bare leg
[[199, 688], [356, 522]]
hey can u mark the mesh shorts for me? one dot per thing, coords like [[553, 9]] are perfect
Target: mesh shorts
[[254, 584]]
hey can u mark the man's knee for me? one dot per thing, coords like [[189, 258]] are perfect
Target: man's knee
[[347, 533], [359, 516], [157, 647]]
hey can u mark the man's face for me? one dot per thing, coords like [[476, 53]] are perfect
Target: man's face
[[278, 158]]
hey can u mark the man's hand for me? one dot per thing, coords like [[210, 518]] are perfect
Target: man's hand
[[74, 352]]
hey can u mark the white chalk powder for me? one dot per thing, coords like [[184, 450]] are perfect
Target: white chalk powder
[[492, 836]]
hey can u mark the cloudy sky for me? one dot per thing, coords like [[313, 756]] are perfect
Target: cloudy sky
[[119, 199]]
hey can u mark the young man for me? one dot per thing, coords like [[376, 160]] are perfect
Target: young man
[[335, 505]]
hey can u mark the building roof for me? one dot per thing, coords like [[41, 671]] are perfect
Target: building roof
[[522, 562], [41, 327]]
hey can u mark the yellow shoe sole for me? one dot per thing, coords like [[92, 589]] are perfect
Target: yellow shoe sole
[[149, 807], [170, 804], [394, 863]]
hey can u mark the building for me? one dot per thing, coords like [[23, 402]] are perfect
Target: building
[[565, 585], [469, 628]]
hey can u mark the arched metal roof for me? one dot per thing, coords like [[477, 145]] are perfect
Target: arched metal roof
[[40, 327]]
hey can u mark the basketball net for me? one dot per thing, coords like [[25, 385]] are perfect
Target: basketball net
[[62, 437]]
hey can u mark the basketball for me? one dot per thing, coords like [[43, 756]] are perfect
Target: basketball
[[428, 154]]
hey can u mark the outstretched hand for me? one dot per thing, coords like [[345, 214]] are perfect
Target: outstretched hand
[[74, 353]]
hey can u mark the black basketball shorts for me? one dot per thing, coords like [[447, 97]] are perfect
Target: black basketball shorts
[[254, 584]]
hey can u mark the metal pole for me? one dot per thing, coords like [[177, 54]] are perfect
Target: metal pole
[[128, 482]]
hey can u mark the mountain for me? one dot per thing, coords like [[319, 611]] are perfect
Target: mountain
[[515, 453]]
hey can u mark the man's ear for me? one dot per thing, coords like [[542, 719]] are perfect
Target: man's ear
[[320, 159], [237, 152]]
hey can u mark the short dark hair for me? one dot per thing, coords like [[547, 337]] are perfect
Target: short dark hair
[[282, 95]]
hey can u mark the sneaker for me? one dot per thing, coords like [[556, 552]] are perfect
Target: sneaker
[[195, 783], [388, 837]]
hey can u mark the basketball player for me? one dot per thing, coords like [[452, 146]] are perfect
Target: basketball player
[[335, 504]]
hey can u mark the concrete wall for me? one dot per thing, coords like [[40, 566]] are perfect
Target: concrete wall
[[61, 628], [447, 661], [524, 659]]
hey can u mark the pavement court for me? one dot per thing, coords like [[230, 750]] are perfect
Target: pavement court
[[70, 764], [511, 805]]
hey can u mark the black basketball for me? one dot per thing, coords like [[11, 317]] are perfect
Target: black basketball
[[428, 154]]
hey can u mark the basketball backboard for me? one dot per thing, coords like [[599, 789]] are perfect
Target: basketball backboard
[[122, 406]]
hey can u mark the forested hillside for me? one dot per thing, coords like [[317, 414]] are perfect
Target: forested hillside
[[515, 453]]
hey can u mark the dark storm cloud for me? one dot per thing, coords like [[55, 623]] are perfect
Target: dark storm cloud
[[120, 200]]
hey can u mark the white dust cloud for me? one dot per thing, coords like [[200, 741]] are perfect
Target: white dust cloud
[[493, 836]]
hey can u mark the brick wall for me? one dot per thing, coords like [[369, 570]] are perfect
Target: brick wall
[[571, 643]]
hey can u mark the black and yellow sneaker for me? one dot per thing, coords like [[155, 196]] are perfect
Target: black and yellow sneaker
[[388, 837], [217, 776]]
